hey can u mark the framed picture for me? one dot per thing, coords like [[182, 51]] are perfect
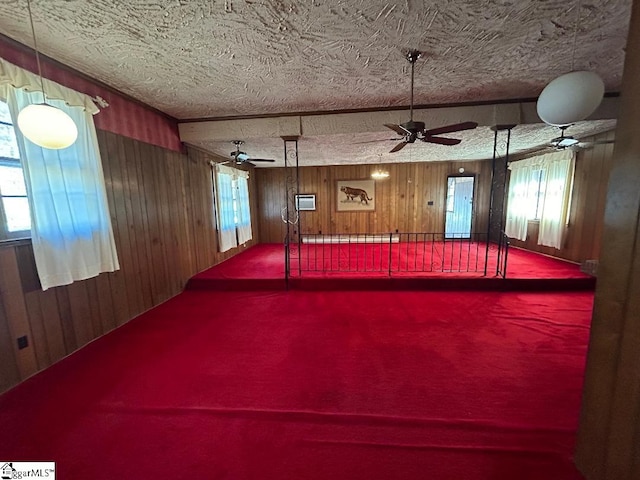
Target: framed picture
[[355, 195], [306, 201]]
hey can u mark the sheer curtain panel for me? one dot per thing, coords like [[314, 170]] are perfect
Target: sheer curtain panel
[[70, 224], [559, 170], [244, 209], [226, 216], [518, 200], [539, 190]]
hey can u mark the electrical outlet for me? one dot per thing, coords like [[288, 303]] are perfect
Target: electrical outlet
[[430, 202], [23, 342]]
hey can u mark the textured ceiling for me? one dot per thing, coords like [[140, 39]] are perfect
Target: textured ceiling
[[346, 149], [204, 58]]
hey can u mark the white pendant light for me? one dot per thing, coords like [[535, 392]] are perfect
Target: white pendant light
[[44, 124], [571, 97], [47, 126]]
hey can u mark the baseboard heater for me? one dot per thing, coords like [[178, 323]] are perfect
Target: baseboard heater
[[362, 238]]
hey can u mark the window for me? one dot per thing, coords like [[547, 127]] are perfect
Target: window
[[537, 186], [70, 225], [540, 189], [15, 221], [234, 200], [233, 212]]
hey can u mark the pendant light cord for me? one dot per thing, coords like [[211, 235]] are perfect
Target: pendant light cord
[[575, 35], [35, 47]]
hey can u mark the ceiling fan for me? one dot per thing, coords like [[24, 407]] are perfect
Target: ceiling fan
[[566, 141], [412, 131], [238, 157]]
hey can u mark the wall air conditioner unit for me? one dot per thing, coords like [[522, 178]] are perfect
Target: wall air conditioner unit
[[305, 202]]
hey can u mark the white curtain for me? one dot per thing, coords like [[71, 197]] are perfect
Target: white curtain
[[17, 77], [539, 183], [225, 203], [559, 173], [520, 204], [244, 210], [71, 228]]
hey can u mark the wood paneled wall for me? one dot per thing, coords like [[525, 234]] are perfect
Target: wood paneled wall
[[402, 200], [161, 209], [583, 235]]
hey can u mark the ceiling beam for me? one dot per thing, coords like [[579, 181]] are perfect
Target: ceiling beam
[[363, 122]]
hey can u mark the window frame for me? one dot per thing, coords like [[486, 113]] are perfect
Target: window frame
[[222, 204], [5, 234], [539, 194]]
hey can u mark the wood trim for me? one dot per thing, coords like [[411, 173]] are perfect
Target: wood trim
[[305, 113]]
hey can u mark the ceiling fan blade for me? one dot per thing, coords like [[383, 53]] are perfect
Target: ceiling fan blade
[[398, 147], [441, 140], [397, 128], [601, 142], [261, 160], [451, 128], [589, 145], [376, 141]]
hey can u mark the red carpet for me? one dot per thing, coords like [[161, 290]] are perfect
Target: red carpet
[[316, 385], [258, 268], [262, 267]]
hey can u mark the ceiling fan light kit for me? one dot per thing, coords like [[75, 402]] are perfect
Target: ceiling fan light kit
[[239, 157], [564, 141]]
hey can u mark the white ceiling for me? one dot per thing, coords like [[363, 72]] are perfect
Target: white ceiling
[[200, 58]]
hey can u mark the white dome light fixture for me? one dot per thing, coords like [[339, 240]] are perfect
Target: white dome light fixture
[[43, 124], [47, 126], [571, 97]]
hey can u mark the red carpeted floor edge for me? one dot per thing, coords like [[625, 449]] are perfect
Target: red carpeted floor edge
[[262, 267], [316, 385]]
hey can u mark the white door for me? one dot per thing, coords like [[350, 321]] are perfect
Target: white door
[[459, 207]]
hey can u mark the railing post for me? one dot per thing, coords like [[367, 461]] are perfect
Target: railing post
[[291, 187], [499, 256], [506, 253], [497, 192], [286, 263], [390, 242]]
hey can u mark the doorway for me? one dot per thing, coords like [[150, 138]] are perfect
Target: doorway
[[459, 207]]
